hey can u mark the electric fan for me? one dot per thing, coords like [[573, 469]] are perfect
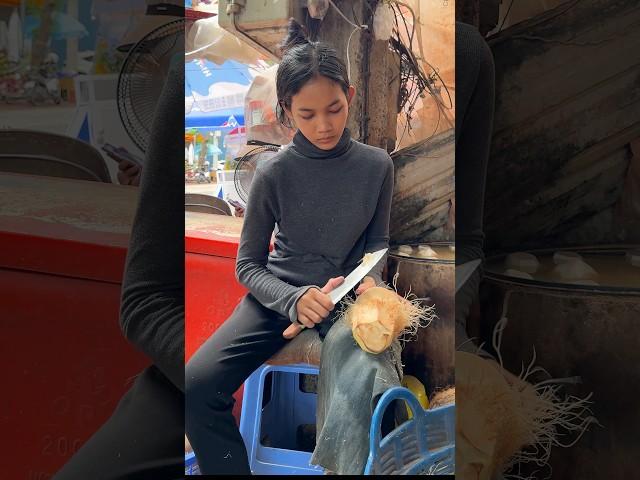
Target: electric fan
[[142, 77], [246, 168]]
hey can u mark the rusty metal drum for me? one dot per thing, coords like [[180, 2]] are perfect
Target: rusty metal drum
[[587, 330], [428, 271]]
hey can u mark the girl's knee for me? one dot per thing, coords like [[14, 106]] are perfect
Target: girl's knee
[[205, 389]]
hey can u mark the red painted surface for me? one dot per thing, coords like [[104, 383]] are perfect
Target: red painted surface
[[62, 252], [212, 291]]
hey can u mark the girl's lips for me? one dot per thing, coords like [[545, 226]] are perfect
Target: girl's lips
[[326, 139]]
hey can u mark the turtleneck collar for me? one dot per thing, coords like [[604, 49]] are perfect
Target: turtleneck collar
[[304, 147]]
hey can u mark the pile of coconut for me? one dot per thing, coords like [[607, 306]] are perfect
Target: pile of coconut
[[504, 421]]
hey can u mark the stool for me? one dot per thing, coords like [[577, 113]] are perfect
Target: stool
[[190, 464], [306, 348], [278, 420]]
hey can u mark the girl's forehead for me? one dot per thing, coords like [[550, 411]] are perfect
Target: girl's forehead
[[317, 93]]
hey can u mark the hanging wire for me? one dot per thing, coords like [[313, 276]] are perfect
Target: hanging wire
[[414, 82], [506, 15], [343, 16], [355, 29]]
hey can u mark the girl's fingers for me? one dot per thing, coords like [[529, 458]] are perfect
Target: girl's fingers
[[291, 331], [312, 316], [306, 321], [125, 164], [366, 284], [319, 310]]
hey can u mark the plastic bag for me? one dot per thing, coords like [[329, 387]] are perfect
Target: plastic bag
[[206, 39], [383, 22], [260, 111], [318, 8]]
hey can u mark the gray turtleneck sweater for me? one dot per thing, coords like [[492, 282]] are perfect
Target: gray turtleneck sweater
[[330, 206]]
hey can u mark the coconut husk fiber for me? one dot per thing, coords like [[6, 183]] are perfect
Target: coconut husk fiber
[[503, 420], [443, 397], [379, 316]]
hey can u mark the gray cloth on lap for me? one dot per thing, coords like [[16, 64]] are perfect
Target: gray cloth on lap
[[350, 384]]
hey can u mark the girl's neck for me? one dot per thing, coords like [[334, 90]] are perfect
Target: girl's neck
[[304, 147]]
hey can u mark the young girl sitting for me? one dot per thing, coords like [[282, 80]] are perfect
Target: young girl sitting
[[330, 198]]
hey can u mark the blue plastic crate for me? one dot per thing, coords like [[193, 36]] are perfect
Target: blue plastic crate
[[285, 411], [190, 464], [423, 445]]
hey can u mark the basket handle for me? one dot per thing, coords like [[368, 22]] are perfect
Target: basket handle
[[394, 393]]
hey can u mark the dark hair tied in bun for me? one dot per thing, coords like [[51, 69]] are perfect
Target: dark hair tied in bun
[[303, 60]]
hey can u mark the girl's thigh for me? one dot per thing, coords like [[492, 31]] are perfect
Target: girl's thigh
[[249, 337]]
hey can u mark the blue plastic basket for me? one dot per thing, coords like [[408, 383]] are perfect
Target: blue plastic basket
[[190, 464], [423, 445]]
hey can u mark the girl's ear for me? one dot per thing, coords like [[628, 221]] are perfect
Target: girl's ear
[[350, 94]]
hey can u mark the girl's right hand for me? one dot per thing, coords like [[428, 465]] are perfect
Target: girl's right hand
[[313, 307]]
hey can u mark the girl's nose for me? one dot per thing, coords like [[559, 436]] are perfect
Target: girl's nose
[[324, 125]]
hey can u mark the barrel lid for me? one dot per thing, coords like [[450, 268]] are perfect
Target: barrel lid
[[415, 252]]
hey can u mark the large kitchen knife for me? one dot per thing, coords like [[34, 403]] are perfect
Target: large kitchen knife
[[368, 262]]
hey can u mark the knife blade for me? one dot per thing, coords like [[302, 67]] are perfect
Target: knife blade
[[356, 275], [464, 271]]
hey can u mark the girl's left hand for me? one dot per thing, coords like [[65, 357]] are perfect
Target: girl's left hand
[[365, 285]]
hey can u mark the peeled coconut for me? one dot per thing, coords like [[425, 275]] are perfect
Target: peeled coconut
[[574, 270], [405, 250], [380, 315], [633, 258], [425, 251], [522, 261], [565, 256]]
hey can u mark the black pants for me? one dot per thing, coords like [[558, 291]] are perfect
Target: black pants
[[143, 438], [249, 337]]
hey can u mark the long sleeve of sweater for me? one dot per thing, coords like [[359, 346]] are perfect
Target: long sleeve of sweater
[[253, 252], [152, 302]]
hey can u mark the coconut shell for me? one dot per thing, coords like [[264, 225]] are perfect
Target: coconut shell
[[443, 397], [377, 317], [499, 414]]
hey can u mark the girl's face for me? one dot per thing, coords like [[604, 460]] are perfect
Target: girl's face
[[320, 110]]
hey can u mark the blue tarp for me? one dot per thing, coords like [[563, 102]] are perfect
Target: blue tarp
[[199, 75], [217, 119]]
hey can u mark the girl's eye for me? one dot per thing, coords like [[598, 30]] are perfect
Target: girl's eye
[[330, 111]]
